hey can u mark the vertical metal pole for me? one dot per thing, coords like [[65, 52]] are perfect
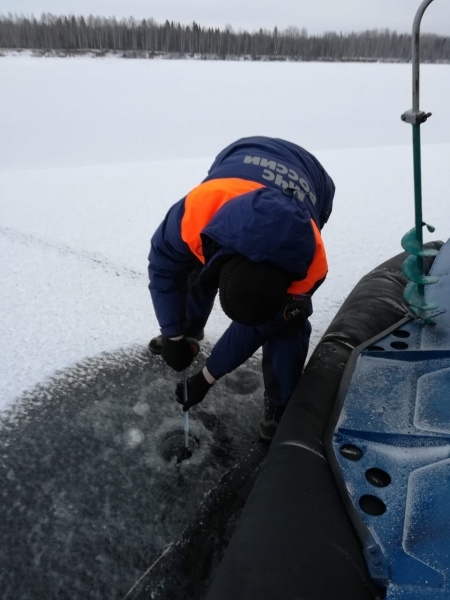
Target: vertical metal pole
[[418, 198], [415, 54], [412, 242], [416, 129]]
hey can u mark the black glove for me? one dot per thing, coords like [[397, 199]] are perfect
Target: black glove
[[297, 309], [179, 354], [197, 388]]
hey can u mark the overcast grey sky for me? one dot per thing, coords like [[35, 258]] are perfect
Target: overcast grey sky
[[317, 16]]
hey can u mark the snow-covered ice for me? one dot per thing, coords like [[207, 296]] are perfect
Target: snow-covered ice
[[93, 153]]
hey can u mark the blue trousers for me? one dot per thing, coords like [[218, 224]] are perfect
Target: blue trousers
[[284, 346]]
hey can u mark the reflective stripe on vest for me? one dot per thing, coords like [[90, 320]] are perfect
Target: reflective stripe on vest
[[317, 270], [202, 203]]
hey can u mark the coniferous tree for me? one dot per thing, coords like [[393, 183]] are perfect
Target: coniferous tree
[[146, 37]]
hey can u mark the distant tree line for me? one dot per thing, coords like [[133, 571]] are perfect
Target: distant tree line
[[70, 34]]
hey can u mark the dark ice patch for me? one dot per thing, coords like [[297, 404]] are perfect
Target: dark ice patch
[[89, 496], [242, 381]]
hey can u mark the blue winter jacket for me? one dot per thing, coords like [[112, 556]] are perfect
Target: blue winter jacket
[[287, 197]]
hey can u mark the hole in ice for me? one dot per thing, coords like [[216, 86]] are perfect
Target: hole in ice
[[242, 382], [172, 446], [375, 348], [378, 477], [372, 505]]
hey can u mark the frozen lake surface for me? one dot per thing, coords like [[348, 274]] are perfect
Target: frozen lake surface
[[94, 153]]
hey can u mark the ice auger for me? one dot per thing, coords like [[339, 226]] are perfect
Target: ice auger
[[412, 242]]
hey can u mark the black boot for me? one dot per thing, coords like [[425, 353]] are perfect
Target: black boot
[[270, 419]]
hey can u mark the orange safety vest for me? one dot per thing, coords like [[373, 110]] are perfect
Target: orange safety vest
[[203, 202]]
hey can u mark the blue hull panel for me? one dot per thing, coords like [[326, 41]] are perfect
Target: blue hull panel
[[390, 446]]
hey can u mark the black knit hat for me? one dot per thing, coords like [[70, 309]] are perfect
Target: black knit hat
[[251, 293]]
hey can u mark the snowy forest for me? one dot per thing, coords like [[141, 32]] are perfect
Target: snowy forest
[[66, 35]]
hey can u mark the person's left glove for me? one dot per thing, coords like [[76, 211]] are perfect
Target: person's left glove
[[179, 354], [197, 388], [297, 309]]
